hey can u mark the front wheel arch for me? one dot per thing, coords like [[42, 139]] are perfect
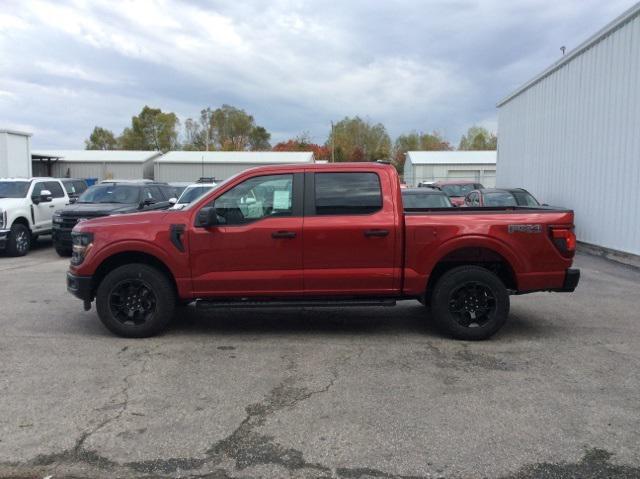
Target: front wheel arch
[[129, 257]]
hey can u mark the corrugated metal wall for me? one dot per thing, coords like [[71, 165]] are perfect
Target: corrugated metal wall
[[133, 171], [573, 140], [193, 171]]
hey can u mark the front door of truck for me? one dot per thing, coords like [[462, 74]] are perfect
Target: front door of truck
[[350, 242], [42, 211], [256, 247]]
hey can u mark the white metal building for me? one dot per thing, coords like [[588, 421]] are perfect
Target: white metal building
[[191, 165], [479, 166], [571, 135], [100, 164], [15, 155]]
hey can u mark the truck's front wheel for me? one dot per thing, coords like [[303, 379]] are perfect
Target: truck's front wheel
[[19, 240], [470, 302], [135, 301]]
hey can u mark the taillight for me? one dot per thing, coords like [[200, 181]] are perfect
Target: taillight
[[565, 240]]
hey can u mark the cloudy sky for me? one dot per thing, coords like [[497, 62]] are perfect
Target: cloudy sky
[[295, 65]]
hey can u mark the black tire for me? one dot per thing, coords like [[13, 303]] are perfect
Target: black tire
[[470, 303], [63, 251], [19, 240], [142, 289]]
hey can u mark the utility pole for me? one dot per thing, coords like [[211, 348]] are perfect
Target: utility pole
[[333, 147]]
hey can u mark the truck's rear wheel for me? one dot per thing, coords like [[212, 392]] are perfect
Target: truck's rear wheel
[[135, 301], [470, 302], [19, 240]]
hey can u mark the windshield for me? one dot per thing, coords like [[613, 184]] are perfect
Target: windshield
[[425, 201], [192, 193], [458, 190], [524, 198], [502, 198], [126, 194], [13, 189]]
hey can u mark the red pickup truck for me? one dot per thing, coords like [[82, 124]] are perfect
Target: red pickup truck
[[318, 235]]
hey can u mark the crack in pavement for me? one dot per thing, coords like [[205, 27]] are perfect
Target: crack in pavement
[[246, 448]]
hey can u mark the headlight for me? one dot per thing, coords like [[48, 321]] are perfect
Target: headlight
[[57, 218], [3, 218], [82, 243]]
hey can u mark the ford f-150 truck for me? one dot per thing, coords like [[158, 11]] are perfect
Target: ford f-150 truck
[[317, 235]]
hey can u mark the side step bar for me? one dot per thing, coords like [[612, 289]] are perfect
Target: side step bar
[[304, 303]]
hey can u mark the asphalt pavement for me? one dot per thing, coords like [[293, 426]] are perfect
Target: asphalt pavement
[[331, 393]]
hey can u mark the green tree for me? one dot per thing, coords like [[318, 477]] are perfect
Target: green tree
[[151, 130], [354, 139], [101, 139], [478, 138], [236, 130], [415, 141], [259, 139]]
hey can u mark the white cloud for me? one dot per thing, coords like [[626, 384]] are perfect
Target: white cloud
[[296, 65]]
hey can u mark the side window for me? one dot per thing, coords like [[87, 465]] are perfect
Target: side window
[[152, 193], [37, 188], [79, 187], [256, 198], [475, 201], [55, 188], [347, 193]]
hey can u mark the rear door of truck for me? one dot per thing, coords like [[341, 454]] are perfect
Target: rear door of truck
[[350, 229]]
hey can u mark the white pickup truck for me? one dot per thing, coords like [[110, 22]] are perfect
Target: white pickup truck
[[26, 210]]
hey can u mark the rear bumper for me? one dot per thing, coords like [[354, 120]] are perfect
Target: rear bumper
[[80, 287], [571, 280]]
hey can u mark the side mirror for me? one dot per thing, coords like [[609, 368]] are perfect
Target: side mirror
[[206, 217], [73, 199], [45, 196], [173, 201]]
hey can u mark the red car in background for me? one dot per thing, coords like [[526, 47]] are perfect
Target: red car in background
[[456, 190], [501, 197]]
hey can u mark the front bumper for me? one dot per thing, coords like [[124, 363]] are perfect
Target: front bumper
[[4, 234], [80, 287], [61, 236], [571, 280]]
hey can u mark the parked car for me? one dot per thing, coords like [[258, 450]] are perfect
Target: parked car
[[424, 198], [317, 235], [456, 190], [192, 193], [107, 198], [74, 187], [426, 184], [500, 197], [178, 187], [26, 209]]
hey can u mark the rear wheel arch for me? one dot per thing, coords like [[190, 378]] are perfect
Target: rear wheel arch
[[482, 256]]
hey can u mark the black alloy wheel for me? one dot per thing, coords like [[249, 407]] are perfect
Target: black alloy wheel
[[132, 301]]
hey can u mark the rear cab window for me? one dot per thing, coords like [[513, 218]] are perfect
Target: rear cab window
[[352, 193]]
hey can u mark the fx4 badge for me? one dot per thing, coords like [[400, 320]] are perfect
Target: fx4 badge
[[525, 229]]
